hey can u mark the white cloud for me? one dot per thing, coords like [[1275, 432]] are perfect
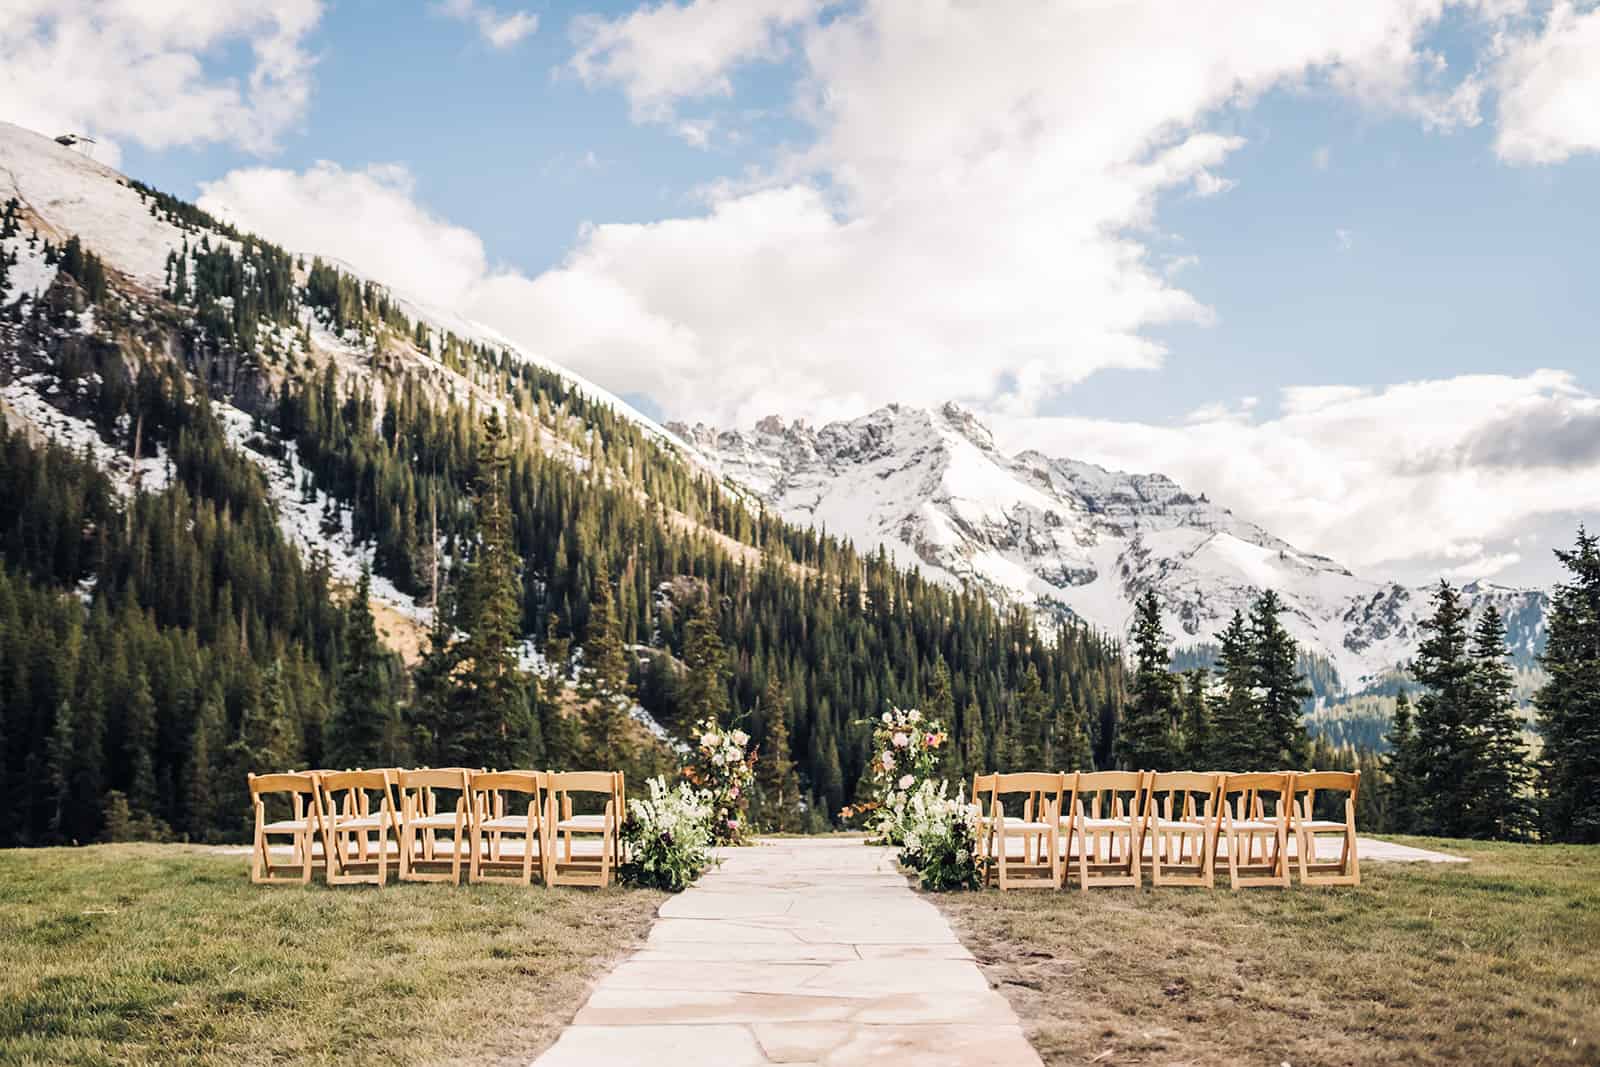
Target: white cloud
[[971, 221], [500, 30], [669, 52], [1420, 479], [1345, 238], [1549, 84], [152, 72]]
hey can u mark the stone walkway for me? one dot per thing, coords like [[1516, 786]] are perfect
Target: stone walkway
[[802, 952]]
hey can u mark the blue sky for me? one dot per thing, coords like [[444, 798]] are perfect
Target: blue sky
[[1198, 240]]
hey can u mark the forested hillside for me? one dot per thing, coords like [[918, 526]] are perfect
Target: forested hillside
[[169, 619]]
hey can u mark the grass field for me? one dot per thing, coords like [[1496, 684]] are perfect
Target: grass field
[[164, 953], [1496, 961]]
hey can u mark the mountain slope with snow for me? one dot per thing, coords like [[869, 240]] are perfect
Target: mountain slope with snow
[[1075, 539]]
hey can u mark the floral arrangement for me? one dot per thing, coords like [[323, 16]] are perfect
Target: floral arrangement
[[668, 837], [907, 748], [939, 834], [724, 768]]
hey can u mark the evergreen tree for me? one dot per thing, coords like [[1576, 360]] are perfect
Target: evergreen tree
[[1569, 701], [1446, 755], [1402, 813], [140, 741], [557, 729], [1282, 691], [705, 685], [776, 780], [971, 740], [489, 724], [1497, 792], [1144, 741], [1196, 720], [939, 705], [1237, 737], [608, 741], [361, 731], [198, 786], [1030, 747], [1071, 737]]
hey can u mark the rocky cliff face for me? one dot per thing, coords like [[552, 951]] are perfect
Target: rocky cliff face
[[1074, 539]]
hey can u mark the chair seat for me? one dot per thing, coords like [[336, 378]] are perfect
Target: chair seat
[[1105, 824], [1320, 824], [1180, 824], [517, 824], [358, 823], [1017, 826], [432, 822], [1256, 824], [287, 826], [591, 823]]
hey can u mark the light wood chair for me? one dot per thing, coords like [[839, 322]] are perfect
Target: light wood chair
[[1255, 808], [1038, 828], [1181, 820], [1108, 823], [1346, 870], [982, 798], [421, 822], [350, 824], [567, 866], [490, 793], [301, 827]]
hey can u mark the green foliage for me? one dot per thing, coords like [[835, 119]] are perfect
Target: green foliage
[[1281, 690], [363, 729], [668, 835], [1569, 702], [1145, 740], [938, 837]]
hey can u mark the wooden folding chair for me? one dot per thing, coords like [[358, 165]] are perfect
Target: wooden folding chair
[[1038, 828], [345, 807], [491, 821], [300, 827], [982, 797], [1346, 870], [1181, 821], [1246, 819], [567, 866], [421, 822], [1108, 824]]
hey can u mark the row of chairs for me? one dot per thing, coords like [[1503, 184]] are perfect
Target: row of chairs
[[503, 826], [1108, 827]]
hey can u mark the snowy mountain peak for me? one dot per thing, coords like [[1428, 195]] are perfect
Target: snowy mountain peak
[[1069, 537]]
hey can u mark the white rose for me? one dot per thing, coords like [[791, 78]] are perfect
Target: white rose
[[905, 781], [886, 717], [888, 761], [901, 740], [740, 738], [914, 715], [708, 740]]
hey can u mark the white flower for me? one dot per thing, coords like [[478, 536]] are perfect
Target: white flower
[[716, 757], [905, 781], [888, 760], [740, 738], [914, 715], [709, 740], [901, 740]]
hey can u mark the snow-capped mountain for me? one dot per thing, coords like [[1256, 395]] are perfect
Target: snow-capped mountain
[[1073, 538]]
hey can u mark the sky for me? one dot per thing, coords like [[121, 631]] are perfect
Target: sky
[[1332, 264]]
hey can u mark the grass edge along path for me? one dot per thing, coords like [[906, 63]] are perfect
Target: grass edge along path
[[165, 953], [1493, 961]]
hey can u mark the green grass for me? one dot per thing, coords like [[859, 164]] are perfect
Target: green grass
[[1496, 961], [161, 954]]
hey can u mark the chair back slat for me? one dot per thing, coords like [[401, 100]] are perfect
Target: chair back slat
[[289, 782], [584, 782], [430, 778]]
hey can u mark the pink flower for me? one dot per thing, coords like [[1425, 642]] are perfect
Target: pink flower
[[905, 781], [735, 793], [901, 740]]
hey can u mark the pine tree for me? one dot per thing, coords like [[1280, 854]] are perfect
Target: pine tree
[[776, 779], [361, 732], [1144, 741], [199, 796], [1569, 701], [557, 729], [1401, 809], [1196, 720], [1072, 751], [1497, 791], [140, 739], [1029, 739], [1282, 690], [489, 723], [938, 704], [1445, 755], [1236, 730], [705, 685], [608, 741], [971, 739]]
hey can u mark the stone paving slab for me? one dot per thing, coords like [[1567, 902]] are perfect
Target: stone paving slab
[[801, 952]]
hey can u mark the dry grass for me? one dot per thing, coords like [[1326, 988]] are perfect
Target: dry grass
[[1493, 962], [162, 954]]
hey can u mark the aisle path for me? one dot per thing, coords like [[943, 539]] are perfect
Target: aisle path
[[800, 951]]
